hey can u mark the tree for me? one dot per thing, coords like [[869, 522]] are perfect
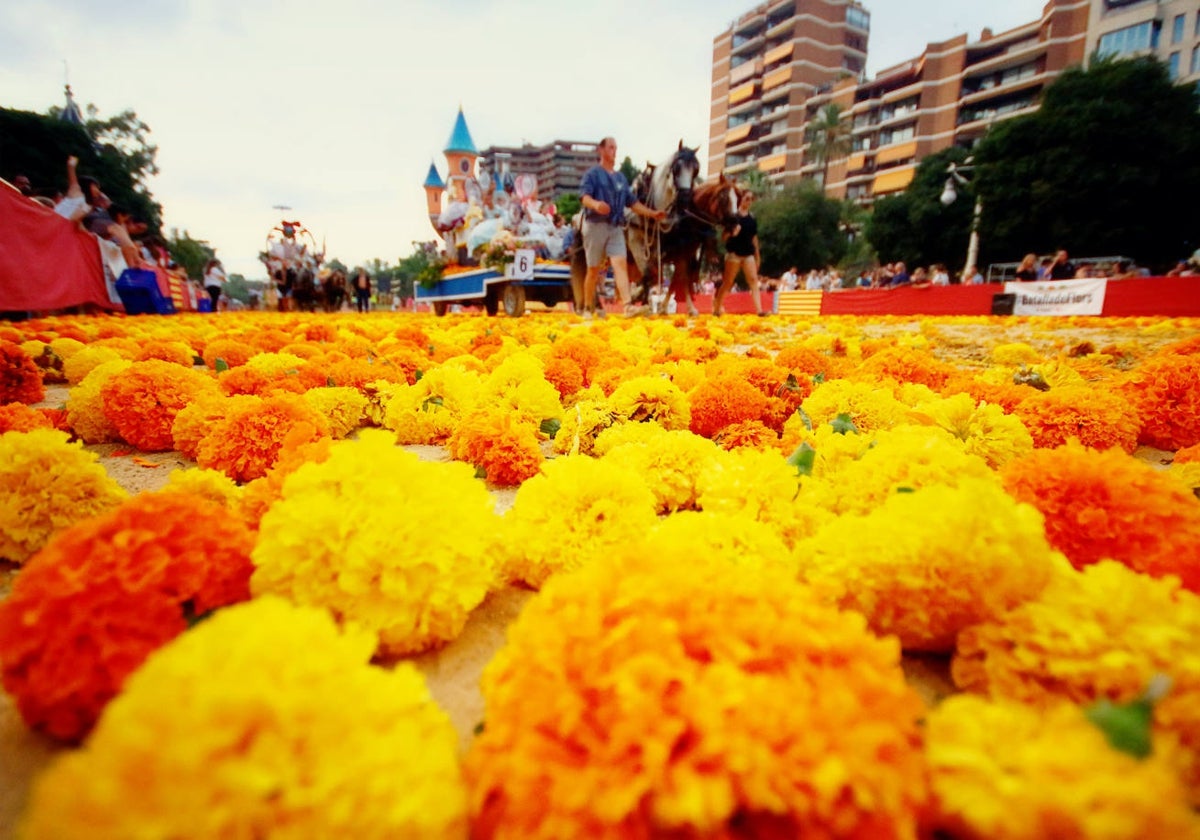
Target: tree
[[191, 254], [237, 288], [915, 227], [754, 180], [799, 226], [628, 169], [568, 205], [1102, 168], [829, 138]]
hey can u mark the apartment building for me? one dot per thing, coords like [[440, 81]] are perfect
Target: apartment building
[[1166, 29], [765, 67], [948, 95], [559, 165]]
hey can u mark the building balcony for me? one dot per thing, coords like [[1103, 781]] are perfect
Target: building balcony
[[744, 71], [1011, 56], [779, 53], [741, 45], [742, 93], [1003, 89], [776, 78]]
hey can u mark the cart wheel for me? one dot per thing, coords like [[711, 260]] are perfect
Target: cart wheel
[[439, 308], [491, 303], [514, 300]]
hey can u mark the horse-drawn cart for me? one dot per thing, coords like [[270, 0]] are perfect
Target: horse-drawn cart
[[549, 283]]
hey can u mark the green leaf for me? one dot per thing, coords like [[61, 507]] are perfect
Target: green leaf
[[196, 360], [479, 727], [329, 383], [804, 418], [818, 377], [221, 365], [842, 424], [431, 401], [906, 489], [1126, 726], [191, 617], [419, 374], [550, 426], [480, 472], [803, 459], [1032, 378]]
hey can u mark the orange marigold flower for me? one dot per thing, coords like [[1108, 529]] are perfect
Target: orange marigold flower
[[906, 364], [1166, 392], [1095, 417], [1187, 455], [298, 449], [564, 374], [18, 417], [176, 352], [717, 403], [141, 401], [800, 359], [751, 434], [20, 377], [1110, 505], [500, 444], [246, 441], [689, 697], [104, 594], [231, 351]]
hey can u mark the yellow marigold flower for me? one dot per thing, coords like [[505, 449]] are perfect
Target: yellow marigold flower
[[582, 426], [1102, 633], [734, 537], [85, 405], [46, 484], [263, 720], [1014, 354], [578, 509], [519, 384], [427, 412], [907, 457], [684, 696], [1188, 473], [343, 408], [984, 428], [652, 398], [1057, 373], [209, 484], [1006, 771], [869, 405], [620, 434], [669, 464], [759, 486], [926, 564], [82, 363], [413, 584]]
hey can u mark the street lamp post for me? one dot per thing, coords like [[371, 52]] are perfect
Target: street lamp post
[[954, 175]]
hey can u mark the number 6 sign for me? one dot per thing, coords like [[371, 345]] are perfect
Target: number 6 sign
[[522, 268]]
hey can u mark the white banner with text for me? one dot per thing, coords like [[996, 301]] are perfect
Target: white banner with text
[[1059, 297]]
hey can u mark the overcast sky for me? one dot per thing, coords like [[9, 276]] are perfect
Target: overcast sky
[[337, 108]]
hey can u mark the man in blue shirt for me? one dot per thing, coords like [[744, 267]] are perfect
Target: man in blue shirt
[[605, 195]]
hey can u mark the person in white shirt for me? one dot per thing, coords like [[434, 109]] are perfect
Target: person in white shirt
[[214, 281], [789, 281], [940, 276]]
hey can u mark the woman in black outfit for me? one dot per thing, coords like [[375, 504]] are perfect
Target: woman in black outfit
[[741, 252]]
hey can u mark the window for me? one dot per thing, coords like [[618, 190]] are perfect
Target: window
[[1177, 29], [858, 18], [1142, 36], [1173, 65], [1195, 60], [897, 135]]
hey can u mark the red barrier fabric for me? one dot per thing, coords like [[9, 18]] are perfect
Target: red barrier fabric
[[46, 262], [1175, 297], [906, 300]]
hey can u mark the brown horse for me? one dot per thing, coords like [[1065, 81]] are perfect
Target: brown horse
[[684, 243]]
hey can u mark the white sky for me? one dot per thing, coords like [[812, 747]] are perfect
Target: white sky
[[337, 108]]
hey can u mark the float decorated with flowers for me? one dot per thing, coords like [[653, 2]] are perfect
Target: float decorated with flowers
[[296, 574]]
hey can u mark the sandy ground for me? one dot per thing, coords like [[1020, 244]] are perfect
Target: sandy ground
[[453, 672]]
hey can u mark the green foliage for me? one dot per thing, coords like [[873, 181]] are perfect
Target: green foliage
[[915, 227], [799, 226], [1102, 167], [567, 205], [113, 151], [237, 288], [190, 254], [758, 183], [628, 169], [829, 138]]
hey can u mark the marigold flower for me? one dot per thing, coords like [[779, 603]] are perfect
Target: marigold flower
[[245, 442], [78, 366], [47, 484], [723, 401], [427, 412], [263, 720], [1102, 633], [906, 364], [651, 398], [669, 463], [690, 697], [20, 378], [298, 449], [564, 374], [231, 351], [1096, 418], [868, 405], [18, 417], [582, 426], [1166, 392], [141, 401], [176, 352], [105, 593], [344, 409], [517, 385], [85, 404], [413, 584], [984, 429], [1051, 774], [576, 510], [926, 564], [801, 359], [750, 434], [208, 484], [1101, 505], [500, 443]]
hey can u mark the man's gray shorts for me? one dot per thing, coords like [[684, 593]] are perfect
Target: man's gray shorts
[[600, 240]]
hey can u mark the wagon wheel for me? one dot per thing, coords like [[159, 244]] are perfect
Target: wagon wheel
[[514, 300], [491, 302], [439, 308]]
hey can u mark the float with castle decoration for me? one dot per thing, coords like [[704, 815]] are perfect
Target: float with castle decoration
[[501, 243]]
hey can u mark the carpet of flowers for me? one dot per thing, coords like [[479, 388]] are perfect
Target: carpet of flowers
[[736, 530]]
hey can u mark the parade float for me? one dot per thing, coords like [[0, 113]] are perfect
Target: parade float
[[293, 261], [500, 245]]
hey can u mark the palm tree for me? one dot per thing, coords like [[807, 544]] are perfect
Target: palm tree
[[829, 138]]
